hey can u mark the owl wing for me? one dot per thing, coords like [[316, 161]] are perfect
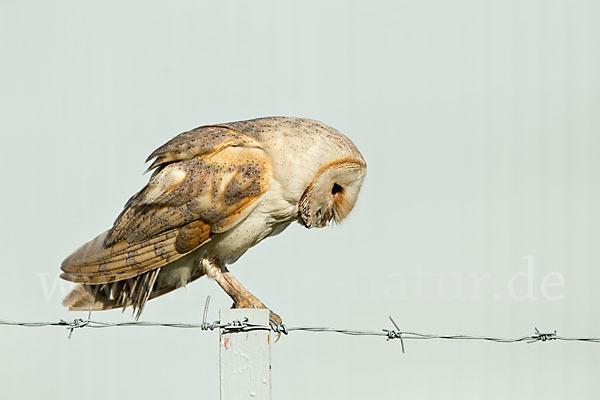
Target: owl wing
[[205, 181]]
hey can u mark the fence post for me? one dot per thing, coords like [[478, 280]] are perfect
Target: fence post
[[245, 357]]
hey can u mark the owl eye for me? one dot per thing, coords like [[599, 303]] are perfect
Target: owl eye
[[336, 189]]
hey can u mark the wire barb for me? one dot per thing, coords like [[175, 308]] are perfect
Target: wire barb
[[205, 326], [543, 337], [277, 327], [395, 334]]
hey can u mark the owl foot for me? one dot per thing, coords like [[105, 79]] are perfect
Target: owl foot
[[274, 320], [255, 303], [241, 297]]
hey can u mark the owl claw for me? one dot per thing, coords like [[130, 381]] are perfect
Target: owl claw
[[275, 321], [276, 325]]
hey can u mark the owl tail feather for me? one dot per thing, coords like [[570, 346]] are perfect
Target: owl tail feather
[[133, 292], [81, 298]]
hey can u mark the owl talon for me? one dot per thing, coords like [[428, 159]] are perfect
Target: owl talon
[[275, 321], [273, 318], [277, 325]]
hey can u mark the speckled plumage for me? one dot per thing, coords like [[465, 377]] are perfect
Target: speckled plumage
[[215, 192]]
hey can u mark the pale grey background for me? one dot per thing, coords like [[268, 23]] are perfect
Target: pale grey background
[[479, 121]]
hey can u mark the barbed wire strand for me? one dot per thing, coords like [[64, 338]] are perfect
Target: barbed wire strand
[[245, 326]]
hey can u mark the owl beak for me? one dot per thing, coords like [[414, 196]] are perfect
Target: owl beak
[[319, 221]]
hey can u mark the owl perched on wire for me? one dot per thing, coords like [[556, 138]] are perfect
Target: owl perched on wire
[[215, 192]]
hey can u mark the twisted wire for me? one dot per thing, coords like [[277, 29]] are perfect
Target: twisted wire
[[245, 326]]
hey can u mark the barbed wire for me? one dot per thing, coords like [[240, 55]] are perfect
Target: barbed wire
[[246, 326]]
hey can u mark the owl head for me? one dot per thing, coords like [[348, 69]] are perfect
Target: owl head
[[333, 192], [318, 167]]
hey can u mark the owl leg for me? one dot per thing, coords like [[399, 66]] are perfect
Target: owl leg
[[241, 297]]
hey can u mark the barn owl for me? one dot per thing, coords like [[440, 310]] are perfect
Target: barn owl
[[216, 191]]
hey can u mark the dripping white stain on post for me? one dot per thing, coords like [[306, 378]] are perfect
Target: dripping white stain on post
[[245, 357]]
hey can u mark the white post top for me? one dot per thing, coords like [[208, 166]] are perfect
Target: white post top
[[245, 357]]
